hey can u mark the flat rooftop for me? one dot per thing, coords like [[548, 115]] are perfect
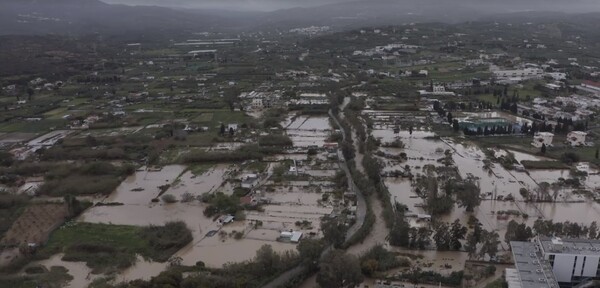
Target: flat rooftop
[[570, 246], [533, 270]]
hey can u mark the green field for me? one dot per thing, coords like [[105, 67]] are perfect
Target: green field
[[44, 125], [107, 247]]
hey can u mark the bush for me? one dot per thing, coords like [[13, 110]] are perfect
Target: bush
[[168, 198], [275, 140], [168, 239], [569, 158], [187, 197]]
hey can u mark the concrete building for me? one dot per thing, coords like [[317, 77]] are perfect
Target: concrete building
[[548, 262], [531, 268], [576, 138], [541, 138]]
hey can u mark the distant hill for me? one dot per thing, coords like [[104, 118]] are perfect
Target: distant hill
[[92, 16], [386, 12], [78, 17]]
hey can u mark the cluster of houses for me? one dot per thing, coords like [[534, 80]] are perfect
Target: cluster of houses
[[574, 139]]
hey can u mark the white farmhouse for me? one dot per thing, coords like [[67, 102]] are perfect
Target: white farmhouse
[[576, 138], [541, 138]]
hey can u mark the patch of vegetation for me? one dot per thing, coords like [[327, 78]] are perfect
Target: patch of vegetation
[[87, 179], [248, 152], [377, 259], [275, 140], [543, 164], [57, 276], [11, 206], [107, 247]]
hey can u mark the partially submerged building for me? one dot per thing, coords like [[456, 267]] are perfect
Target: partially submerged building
[[290, 236], [576, 138], [542, 138]]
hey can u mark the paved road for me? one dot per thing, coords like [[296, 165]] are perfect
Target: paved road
[[361, 205]]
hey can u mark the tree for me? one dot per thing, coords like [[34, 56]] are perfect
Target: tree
[[517, 232], [267, 260], [490, 244], [231, 132], [569, 158], [334, 232], [473, 238], [30, 93], [423, 238], [310, 251], [450, 117], [597, 152], [222, 132], [455, 125], [457, 233], [593, 230], [339, 269], [543, 148], [410, 130], [441, 237], [467, 194], [399, 232]]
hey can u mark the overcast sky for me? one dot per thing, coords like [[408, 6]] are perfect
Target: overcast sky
[[259, 5], [271, 5]]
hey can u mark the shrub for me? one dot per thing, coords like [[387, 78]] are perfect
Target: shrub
[[187, 197], [168, 198]]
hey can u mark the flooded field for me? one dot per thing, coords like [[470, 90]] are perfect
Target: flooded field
[[308, 131], [82, 275], [422, 148], [197, 185], [142, 269], [143, 186]]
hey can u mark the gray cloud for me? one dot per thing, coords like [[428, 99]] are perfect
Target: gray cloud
[[259, 5]]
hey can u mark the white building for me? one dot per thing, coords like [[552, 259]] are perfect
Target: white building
[[556, 75], [541, 138], [257, 104], [290, 236], [249, 181], [576, 138], [523, 74], [548, 262], [438, 88], [572, 260]]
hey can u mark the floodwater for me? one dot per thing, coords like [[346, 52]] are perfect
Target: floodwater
[[310, 123], [520, 156], [321, 173], [142, 269], [143, 186], [31, 185], [150, 214], [421, 149], [82, 275], [308, 131], [216, 250], [201, 184], [378, 233]]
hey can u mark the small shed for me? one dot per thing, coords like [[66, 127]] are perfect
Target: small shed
[[290, 236], [226, 219]]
